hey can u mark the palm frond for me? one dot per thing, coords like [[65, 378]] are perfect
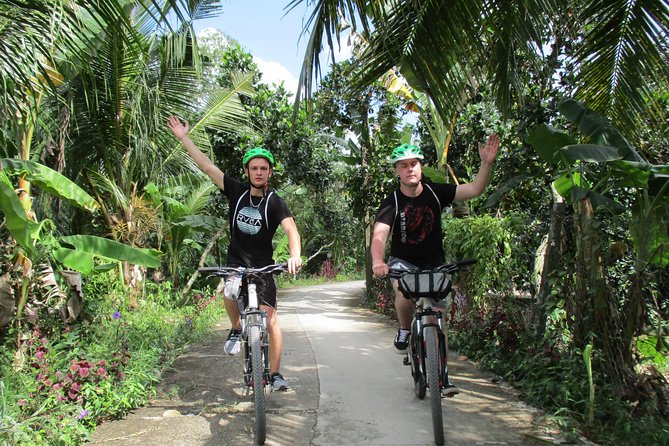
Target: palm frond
[[326, 19], [198, 198], [221, 111], [625, 50]]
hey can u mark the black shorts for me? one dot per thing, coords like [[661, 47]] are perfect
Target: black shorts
[[265, 287]]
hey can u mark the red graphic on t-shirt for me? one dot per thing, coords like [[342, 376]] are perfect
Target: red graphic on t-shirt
[[418, 223]]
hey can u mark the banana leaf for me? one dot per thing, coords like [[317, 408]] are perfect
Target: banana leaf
[[114, 250], [50, 181], [21, 228]]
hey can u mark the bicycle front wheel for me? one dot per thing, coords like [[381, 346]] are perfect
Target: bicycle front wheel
[[432, 353], [255, 339]]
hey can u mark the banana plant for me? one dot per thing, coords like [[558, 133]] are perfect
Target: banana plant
[[36, 242], [627, 170], [586, 189]]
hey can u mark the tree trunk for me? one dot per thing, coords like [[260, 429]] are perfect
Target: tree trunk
[[597, 319], [549, 258]]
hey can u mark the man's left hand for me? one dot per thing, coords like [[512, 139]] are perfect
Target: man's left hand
[[488, 153], [293, 264]]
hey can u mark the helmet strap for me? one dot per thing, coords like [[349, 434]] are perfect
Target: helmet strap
[[262, 188]]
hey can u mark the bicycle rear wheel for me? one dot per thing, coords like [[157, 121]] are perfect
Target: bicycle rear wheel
[[432, 353], [258, 382]]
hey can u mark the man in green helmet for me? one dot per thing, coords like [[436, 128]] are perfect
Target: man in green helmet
[[255, 213], [411, 217]]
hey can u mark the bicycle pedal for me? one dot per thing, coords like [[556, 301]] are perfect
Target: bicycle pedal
[[406, 360]]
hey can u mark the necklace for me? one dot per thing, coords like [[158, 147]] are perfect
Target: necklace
[[251, 201]]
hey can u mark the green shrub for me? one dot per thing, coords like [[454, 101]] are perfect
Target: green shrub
[[65, 379]]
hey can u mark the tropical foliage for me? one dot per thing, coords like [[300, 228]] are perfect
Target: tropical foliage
[[103, 220]]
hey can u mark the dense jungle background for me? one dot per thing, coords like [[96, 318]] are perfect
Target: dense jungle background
[[104, 219]]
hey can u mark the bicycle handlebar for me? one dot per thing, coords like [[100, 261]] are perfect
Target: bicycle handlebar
[[446, 268], [242, 270]]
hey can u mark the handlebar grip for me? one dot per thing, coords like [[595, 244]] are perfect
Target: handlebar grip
[[465, 262], [208, 269]]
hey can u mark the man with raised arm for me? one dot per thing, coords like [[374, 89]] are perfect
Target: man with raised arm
[[256, 211], [411, 217]]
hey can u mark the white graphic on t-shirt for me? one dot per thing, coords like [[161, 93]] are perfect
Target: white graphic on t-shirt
[[249, 220]]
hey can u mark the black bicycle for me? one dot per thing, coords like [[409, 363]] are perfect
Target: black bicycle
[[254, 338], [428, 346]]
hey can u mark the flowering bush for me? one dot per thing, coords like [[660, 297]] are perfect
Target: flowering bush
[[62, 382], [382, 298], [327, 270]]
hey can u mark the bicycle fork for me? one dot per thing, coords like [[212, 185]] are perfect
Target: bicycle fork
[[417, 349], [249, 319]]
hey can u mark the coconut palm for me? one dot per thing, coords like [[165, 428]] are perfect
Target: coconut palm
[[95, 90], [441, 47]]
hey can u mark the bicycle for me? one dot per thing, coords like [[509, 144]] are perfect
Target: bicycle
[[428, 346], [254, 337]]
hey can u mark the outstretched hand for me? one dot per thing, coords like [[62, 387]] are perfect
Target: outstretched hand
[[180, 130], [488, 152]]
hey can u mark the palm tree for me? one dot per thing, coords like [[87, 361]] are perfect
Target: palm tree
[[441, 47], [106, 79]]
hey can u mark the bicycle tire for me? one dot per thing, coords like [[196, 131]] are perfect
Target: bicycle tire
[[432, 353], [258, 383]]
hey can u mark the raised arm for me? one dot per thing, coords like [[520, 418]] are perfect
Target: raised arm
[[488, 153], [207, 166], [294, 244], [378, 249]]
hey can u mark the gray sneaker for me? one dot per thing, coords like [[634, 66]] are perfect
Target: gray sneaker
[[279, 383], [449, 390], [233, 343]]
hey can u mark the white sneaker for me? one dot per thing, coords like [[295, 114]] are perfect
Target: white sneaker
[[401, 341], [233, 343]]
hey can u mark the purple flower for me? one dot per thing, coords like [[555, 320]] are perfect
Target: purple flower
[[188, 321], [117, 315], [84, 414]]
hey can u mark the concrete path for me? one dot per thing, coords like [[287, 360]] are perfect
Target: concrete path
[[348, 387]]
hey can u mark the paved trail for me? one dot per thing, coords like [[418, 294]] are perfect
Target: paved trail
[[348, 387]]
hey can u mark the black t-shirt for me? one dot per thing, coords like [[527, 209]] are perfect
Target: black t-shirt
[[415, 223], [253, 222]]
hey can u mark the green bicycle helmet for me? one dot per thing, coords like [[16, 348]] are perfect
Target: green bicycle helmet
[[405, 152], [258, 152]]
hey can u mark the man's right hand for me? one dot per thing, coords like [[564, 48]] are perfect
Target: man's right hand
[[380, 270]]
